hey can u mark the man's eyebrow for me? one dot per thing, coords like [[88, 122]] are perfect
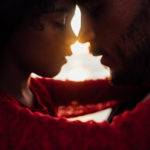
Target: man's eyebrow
[[88, 2], [91, 3], [64, 8], [61, 9], [94, 7]]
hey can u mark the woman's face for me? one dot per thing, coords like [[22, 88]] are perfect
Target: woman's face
[[43, 51]]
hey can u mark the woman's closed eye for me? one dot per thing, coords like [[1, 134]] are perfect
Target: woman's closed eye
[[60, 21], [62, 17]]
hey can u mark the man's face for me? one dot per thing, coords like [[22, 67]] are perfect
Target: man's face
[[119, 31]]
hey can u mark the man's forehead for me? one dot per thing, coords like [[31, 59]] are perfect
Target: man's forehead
[[65, 1], [90, 4], [64, 4], [88, 1]]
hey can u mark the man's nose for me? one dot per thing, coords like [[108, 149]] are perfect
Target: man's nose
[[87, 33], [86, 36]]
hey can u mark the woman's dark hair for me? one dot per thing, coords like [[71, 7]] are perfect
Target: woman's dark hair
[[13, 12]]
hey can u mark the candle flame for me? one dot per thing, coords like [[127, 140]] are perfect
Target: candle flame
[[81, 65], [76, 21], [80, 48]]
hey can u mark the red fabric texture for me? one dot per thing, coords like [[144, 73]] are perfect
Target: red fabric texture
[[23, 128]]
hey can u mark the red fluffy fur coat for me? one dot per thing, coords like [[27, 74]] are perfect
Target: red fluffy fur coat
[[36, 128]]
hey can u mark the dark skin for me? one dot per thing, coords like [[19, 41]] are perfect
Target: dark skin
[[104, 34], [119, 31], [31, 49]]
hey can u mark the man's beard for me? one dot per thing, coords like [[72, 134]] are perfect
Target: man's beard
[[136, 69]]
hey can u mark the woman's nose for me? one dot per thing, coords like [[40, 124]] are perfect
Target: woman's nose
[[71, 36]]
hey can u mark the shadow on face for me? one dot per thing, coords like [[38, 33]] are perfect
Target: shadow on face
[[40, 40], [118, 30]]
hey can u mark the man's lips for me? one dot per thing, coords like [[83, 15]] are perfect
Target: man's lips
[[98, 50], [105, 60]]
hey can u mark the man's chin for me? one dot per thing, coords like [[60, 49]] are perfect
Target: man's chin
[[125, 79]]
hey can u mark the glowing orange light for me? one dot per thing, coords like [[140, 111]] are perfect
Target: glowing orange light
[[76, 21], [81, 65], [80, 48]]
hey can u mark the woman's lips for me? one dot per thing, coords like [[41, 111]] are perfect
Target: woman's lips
[[64, 60]]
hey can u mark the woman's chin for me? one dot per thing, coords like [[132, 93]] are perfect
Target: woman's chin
[[51, 74], [47, 73], [49, 70]]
